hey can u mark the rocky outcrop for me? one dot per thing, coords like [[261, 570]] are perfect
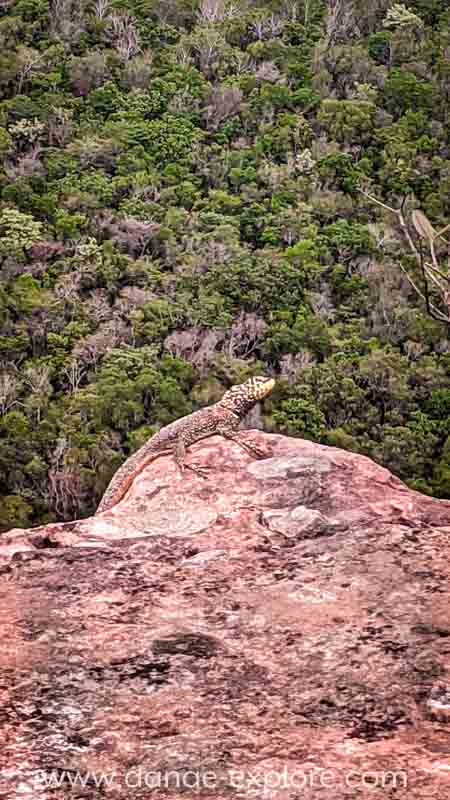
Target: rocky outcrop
[[279, 630]]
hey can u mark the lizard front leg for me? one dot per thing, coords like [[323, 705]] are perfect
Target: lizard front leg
[[251, 449], [180, 459]]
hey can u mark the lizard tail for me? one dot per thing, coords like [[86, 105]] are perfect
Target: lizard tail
[[124, 477]]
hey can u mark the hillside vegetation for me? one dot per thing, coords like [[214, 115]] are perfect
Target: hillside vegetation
[[181, 207]]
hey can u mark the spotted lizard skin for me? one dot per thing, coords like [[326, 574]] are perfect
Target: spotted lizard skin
[[223, 418]]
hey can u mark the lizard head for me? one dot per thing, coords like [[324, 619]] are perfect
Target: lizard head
[[242, 397], [257, 387]]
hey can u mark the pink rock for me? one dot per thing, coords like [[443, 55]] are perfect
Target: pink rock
[[279, 630]]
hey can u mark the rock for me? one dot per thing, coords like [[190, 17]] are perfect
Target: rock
[[300, 522], [279, 630]]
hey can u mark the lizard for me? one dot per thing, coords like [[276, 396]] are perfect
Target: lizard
[[223, 418]]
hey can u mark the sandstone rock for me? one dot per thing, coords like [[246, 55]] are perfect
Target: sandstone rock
[[279, 630]]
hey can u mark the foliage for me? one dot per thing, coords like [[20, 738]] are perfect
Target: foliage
[[301, 417]]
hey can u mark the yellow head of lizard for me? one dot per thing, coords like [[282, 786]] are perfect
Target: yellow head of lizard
[[243, 396], [259, 387]]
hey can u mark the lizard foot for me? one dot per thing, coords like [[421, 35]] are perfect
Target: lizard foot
[[258, 452], [201, 471]]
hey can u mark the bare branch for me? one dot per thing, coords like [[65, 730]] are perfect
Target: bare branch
[[378, 202], [443, 230], [429, 273], [10, 386], [437, 271], [422, 225], [425, 230], [102, 9], [123, 35]]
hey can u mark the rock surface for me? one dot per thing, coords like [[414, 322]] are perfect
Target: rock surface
[[279, 630]]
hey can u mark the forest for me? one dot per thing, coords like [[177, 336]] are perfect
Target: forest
[[196, 191]]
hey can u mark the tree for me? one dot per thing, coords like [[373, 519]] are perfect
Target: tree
[[18, 232], [37, 379], [68, 19], [223, 103], [398, 16], [10, 387], [31, 62], [300, 417], [348, 121], [123, 34], [211, 11], [403, 90]]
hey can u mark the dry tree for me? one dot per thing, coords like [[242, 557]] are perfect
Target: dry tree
[[433, 275]]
